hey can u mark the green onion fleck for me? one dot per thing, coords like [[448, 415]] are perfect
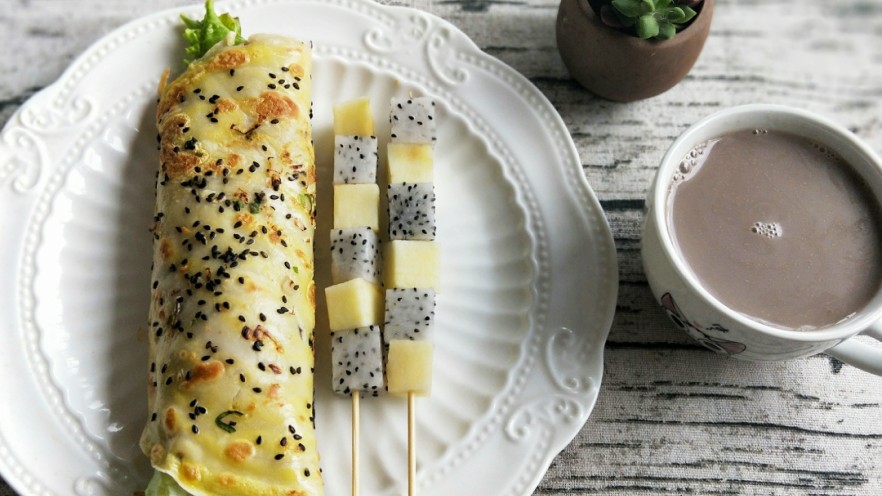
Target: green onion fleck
[[229, 427]]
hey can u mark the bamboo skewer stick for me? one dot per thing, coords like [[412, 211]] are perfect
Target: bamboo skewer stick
[[411, 445], [356, 428]]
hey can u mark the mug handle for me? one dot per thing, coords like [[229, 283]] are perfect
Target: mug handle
[[861, 355]]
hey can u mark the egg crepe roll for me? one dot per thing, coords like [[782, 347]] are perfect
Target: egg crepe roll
[[231, 354]]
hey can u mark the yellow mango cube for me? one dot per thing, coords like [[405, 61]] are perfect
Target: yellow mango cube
[[411, 264], [410, 163], [409, 367], [353, 118], [356, 205], [354, 303]]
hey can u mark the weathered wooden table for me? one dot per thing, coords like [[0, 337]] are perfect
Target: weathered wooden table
[[671, 416]]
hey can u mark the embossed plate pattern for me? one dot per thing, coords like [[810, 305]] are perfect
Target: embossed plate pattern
[[527, 295]]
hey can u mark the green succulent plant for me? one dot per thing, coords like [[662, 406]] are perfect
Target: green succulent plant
[[649, 19]]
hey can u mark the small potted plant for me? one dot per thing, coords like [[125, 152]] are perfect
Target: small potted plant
[[626, 50]]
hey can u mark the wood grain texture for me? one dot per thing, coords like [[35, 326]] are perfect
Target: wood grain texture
[[671, 418]]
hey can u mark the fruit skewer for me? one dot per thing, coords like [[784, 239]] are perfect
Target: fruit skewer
[[411, 259], [355, 300]]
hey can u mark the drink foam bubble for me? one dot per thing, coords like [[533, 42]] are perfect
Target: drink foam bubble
[[770, 230], [690, 162]]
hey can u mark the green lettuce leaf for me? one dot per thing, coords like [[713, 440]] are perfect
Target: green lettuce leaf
[[204, 34]]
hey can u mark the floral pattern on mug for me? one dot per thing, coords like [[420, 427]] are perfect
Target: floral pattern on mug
[[699, 332]]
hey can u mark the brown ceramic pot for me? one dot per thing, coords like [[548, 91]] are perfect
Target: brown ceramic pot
[[621, 67]]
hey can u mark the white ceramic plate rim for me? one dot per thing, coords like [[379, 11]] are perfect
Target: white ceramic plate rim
[[554, 385]]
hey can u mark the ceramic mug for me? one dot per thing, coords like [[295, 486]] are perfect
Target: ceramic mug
[[710, 322]]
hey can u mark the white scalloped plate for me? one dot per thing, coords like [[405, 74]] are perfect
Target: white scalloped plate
[[529, 271]]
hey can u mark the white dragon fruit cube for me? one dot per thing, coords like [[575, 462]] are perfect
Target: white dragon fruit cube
[[357, 361], [355, 253], [410, 314], [411, 211], [355, 159], [413, 120]]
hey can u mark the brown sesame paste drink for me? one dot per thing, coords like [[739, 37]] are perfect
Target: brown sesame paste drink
[[777, 228]]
